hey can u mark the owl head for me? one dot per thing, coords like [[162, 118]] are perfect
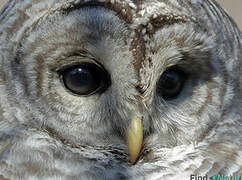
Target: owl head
[[140, 75]]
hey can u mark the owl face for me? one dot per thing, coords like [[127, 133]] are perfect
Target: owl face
[[91, 69]]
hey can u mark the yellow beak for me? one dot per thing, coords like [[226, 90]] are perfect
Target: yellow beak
[[134, 138]]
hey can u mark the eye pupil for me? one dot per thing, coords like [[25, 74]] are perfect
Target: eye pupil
[[80, 80], [84, 79], [171, 83]]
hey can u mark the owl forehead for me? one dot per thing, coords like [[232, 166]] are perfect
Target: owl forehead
[[137, 12]]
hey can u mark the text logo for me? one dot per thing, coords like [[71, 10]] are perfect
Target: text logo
[[222, 177]]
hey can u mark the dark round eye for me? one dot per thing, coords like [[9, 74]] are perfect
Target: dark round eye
[[85, 79], [171, 83]]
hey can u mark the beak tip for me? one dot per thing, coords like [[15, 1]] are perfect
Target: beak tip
[[133, 160]]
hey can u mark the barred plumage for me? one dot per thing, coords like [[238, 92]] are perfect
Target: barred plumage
[[48, 131]]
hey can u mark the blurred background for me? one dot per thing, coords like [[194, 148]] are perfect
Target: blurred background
[[233, 7]]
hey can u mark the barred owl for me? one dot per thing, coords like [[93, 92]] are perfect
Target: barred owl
[[119, 89]]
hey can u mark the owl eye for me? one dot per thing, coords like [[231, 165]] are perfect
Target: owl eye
[[85, 79], [171, 83]]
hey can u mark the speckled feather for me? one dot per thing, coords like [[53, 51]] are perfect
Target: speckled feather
[[48, 133]]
